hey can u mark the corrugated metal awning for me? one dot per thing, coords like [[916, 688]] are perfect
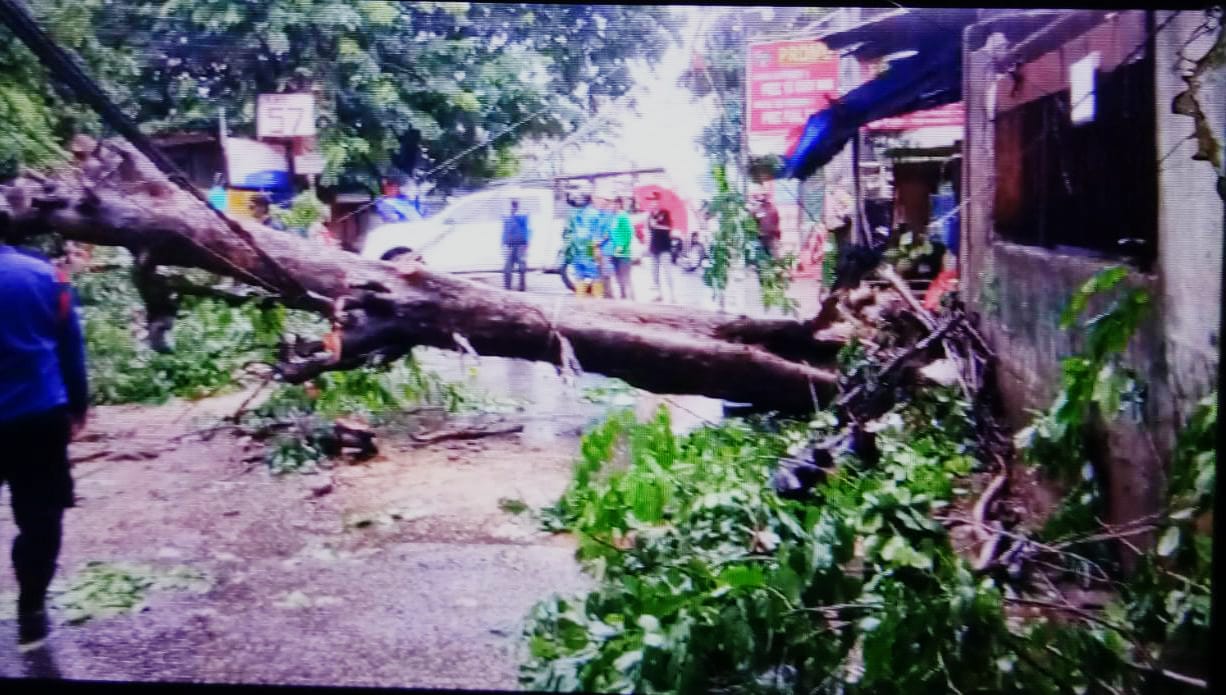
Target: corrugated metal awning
[[901, 30], [931, 78]]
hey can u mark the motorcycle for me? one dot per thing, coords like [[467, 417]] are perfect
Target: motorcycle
[[688, 254]]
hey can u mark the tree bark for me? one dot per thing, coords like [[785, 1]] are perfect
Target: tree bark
[[115, 196]]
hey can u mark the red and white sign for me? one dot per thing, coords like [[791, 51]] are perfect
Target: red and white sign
[[788, 81], [285, 116], [950, 115]]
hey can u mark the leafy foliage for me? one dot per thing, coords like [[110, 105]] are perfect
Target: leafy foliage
[[710, 582], [1094, 382], [214, 339], [104, 589], [302, 415], [393, 81], [303, 213], [1166, 602], [735, 240], [1169, 599]]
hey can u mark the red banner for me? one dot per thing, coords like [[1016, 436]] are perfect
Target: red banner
[[788, 81], [942, 116]]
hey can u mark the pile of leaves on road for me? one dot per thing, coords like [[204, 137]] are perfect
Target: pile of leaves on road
[[712, 575], [104, 589], [309, 425]]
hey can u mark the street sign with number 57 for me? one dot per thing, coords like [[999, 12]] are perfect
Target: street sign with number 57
[[285, 116]]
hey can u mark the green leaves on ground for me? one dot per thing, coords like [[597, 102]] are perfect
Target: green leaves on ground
[[709, 581], [302, 415], [103, 589]]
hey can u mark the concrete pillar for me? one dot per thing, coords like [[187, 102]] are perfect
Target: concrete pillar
[[1189, 211], [978, 165]]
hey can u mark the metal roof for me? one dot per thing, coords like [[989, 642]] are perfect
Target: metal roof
[[901, 30]]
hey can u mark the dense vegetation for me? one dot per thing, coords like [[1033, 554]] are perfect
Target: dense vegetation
[[393, 81], [219, 347], [708, 581]]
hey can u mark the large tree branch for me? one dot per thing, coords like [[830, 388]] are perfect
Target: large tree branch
[[772, 363]]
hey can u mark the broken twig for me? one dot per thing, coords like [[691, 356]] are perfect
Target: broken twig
[[476, 433]]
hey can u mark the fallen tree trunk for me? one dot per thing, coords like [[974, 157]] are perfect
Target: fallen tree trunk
[[114, 196]]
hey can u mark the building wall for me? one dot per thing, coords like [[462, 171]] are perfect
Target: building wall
[[1190, 214], [1019, 291]]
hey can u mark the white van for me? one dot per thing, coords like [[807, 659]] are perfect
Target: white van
[[466, 236]]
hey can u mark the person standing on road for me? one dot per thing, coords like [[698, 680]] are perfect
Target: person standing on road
[[623, 232], [515, 236], [605, 251], [769, 233], [581, 235], [660, 227], [44, 395]]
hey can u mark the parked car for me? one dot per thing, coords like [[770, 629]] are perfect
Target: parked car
[[466, 235]]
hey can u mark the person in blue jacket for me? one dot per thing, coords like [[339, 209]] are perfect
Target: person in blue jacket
[[516, 233], [44, 396]]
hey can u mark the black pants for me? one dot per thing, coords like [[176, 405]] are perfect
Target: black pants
[[516, 256], [34, 464]]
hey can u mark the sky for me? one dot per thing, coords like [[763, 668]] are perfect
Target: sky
[[668, 123]]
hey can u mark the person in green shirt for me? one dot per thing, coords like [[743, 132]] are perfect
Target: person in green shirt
[[623, 232]]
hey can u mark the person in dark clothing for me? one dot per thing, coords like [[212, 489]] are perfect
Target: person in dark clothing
[[515, 236], [261, 208], [660, 226], [44, 396]]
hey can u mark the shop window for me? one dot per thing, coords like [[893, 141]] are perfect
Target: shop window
[[1089, 188]]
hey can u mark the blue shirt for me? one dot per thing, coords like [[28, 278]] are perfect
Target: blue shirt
[[515, 230], [42, 352]]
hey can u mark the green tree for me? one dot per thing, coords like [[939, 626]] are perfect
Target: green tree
[[36, 114], [391, 79]]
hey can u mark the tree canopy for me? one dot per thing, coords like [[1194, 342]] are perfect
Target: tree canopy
[[392, 80]]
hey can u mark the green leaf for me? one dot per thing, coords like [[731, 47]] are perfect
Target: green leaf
[[893, 548], [1100, 282], [742, 576], [1108, 387]]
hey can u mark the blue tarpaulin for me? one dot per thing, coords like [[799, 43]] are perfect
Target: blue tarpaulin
[[926, 80]]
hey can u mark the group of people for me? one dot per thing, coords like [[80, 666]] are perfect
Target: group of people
[[599, 239]]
